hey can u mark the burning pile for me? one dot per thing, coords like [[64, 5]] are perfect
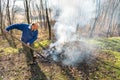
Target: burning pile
[[70, 53], [69, 16]]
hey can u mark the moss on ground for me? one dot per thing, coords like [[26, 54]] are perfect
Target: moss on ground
[[8, 50], [0, 78], [111, 43], [108, 68], [44, 43], [109, 65]]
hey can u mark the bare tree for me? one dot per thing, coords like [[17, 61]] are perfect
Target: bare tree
[[115, 5], [106, 18], [1, 16], [96, 19], [48, 22], [43, 14], [40, 13], [13, 12], [27, 10], [2, 8], [35, 10], [118, 25], [11, 40]]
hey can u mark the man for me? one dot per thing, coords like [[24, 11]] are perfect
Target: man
[[29, 35]]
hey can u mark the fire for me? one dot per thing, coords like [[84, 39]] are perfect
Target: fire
[[70, 53]]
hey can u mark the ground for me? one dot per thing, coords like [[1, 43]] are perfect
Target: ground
[[105, 66]]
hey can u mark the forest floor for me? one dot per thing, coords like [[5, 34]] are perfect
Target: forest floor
[[106, 66]]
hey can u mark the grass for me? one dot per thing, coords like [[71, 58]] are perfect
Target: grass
[[0, 78], [8, 50], [110, 68], [111, 43], [44, 43], [107, 69]]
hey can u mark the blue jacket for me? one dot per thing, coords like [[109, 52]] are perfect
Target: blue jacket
[[28, 36]]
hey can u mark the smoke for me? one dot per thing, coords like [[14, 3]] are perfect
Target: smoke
[[69, 16]]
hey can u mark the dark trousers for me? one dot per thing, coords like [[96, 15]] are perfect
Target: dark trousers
[[28, 53]]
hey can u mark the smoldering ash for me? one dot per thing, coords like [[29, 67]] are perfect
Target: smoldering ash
[[69, 16]]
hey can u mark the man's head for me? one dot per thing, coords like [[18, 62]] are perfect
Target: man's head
[[34, 26]]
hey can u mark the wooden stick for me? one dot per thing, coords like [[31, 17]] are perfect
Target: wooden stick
[[27, 45]]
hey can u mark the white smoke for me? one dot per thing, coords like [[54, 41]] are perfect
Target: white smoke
[[69, 15]]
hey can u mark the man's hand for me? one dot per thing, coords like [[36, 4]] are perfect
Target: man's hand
[[5, 31], [28, 44]]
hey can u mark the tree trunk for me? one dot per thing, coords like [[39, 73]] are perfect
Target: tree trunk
[[1, 18], [48, 22], [115, 5], [96, 19], [40, 13], [10, 41], [118, 27], [27, 11], [43, 14]]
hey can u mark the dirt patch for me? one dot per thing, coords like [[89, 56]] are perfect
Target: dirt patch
[[13, 67]]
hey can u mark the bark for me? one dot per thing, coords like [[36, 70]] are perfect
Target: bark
[[10, 41], [48, 22], [1, 18], [43, 14], [40, 13], [96, 20], [118, 27], [27, 11], [2, 8], [115, 5]]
